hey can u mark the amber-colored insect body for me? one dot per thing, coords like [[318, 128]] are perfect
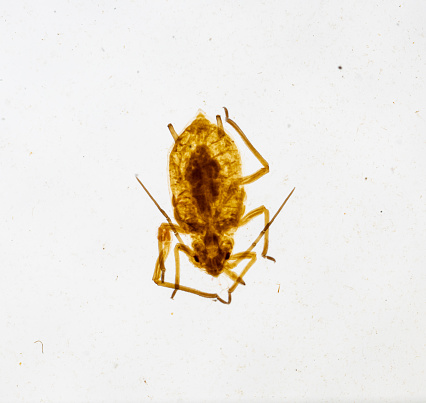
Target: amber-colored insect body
[[208, 200]]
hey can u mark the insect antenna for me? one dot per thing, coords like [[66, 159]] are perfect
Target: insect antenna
[[162, 211], [262, 233]]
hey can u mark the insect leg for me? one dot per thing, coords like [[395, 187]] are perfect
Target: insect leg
[[233, 276], [249, 216], [238, 257], [164, 244], [265, 229], [262, 171], [159, 278]]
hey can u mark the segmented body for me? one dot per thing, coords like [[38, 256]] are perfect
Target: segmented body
[[205, 175], [208, 200]]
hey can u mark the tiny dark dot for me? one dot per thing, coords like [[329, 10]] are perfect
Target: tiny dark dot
[[365, 178], [340, 67]]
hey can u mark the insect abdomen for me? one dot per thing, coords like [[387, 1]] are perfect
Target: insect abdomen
[[202, 174], [205, 168]]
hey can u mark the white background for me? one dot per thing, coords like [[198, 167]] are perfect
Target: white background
[[86, 92]]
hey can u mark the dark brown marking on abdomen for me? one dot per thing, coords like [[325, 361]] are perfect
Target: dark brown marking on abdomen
[[202, 174]]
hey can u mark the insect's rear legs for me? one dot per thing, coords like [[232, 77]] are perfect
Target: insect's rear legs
[[262, 171], [254, 213], [176, 285], [164, 245]]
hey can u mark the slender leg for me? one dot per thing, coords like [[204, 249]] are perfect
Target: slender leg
[[188, 251], [249, 216], [259, 237], [159, 276], [164, 243], [238, 257], [248, 254], [262, 171], [233, 276]]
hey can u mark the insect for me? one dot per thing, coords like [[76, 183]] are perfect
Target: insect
[[208, 197]]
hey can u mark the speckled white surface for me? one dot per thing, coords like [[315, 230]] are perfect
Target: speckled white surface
[[86, 92]]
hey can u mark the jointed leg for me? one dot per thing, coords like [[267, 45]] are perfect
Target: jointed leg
[[238, 257], [160, 269], [164, 249], [264, 232], [164, 244], [254, 213], [262, 171]]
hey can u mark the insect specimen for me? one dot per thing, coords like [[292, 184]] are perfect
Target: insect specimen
[[208, 196]]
